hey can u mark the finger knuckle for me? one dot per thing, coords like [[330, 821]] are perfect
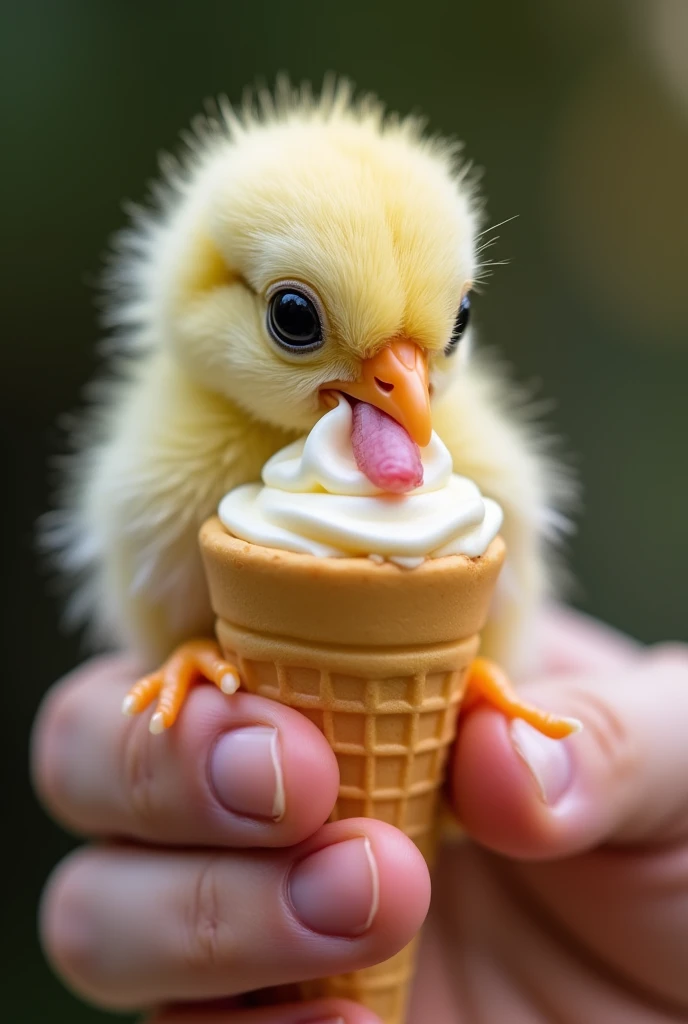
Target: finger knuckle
[[66, 923], [57, 723], [208, 941], [73, 935]]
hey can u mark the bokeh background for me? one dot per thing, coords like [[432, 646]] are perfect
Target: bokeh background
[[578, 111]]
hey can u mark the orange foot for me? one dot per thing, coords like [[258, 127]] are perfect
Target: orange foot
[[487, 682], [193, 661]]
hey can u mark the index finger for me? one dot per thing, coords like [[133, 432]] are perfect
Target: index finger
[[234, 771]]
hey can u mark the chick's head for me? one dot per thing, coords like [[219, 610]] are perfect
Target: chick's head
[[348, 227]]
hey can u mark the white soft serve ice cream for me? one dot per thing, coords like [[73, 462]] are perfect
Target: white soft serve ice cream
[[314, 499]]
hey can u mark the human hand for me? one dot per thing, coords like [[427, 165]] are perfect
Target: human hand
[[210, 872], [582, 913]]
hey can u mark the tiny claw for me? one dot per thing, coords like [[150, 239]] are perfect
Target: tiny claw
[[230, 683], [157, 723], [129, 707]]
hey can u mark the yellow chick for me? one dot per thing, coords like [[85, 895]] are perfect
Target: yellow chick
[[298, 246]]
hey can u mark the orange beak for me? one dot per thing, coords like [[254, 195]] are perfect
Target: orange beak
[[396, 381]]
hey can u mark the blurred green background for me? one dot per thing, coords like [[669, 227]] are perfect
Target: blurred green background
[[579, 114]]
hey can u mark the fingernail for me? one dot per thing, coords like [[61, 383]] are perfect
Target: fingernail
[[548, 761], [246, 772], [336, 891]]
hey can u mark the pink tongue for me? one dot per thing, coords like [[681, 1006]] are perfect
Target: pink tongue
[[384, 451]]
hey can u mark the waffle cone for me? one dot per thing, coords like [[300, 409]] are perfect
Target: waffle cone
[[377, 657]]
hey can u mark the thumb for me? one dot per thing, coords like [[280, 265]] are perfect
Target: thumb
[[621, 780]]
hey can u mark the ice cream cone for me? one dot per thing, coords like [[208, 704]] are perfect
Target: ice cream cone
[[377, 657]]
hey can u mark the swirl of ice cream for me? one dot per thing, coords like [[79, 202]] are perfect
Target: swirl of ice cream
[[314, 499]]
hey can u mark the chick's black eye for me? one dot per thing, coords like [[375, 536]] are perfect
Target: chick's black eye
[[293, 321], [460, 325]]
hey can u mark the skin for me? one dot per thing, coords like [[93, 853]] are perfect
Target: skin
[[565, 901]]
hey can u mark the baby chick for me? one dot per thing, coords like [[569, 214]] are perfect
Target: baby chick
[[303, 247]]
